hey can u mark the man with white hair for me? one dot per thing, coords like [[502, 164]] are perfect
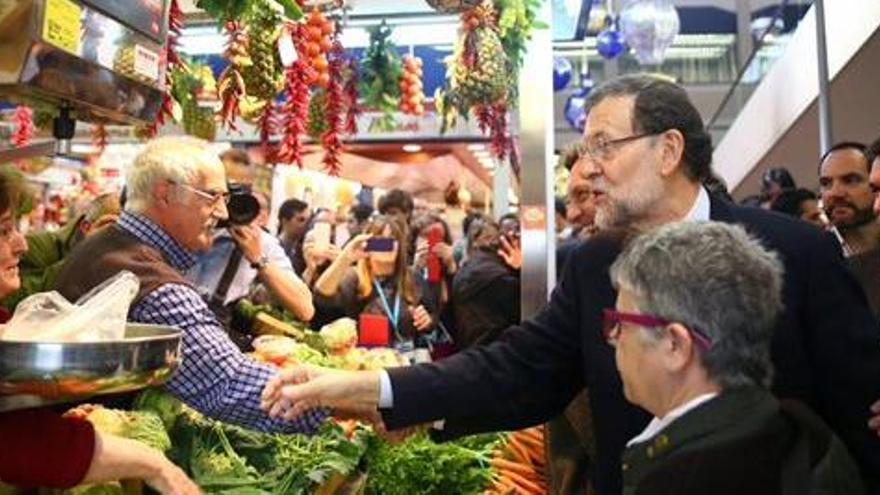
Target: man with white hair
[[176, 195], [701, 366]]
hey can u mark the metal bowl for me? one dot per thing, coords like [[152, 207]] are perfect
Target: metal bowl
[[36, 373]]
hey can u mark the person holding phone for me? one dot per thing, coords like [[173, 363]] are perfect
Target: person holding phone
[[371, 281]]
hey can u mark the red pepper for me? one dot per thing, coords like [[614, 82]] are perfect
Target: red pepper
[[330, 139]]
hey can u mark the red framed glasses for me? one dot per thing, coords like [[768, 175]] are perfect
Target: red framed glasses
[[612, 319]]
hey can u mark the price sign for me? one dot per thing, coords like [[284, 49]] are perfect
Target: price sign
[[61, 25]]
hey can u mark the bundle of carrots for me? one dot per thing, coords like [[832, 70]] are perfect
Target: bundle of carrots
[[519, 464]]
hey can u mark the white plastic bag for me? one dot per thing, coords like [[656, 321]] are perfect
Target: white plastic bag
[[99, 315]]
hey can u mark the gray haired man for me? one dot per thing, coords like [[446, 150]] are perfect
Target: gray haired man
[[701, 366]]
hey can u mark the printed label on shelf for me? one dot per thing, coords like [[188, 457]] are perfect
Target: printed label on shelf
[[61, 25], [286, 50], [146, 63]]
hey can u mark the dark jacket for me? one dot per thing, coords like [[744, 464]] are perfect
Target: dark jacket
[[825, 350], [742, 441], [485, 295]]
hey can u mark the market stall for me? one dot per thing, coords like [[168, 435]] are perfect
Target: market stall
[[88, 82]]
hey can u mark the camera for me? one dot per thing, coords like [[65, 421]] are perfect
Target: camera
[[242, 206]]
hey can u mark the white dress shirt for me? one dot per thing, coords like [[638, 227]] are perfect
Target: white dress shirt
[[658, 424]]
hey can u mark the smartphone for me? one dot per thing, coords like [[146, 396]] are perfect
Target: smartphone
[[380, 244], [322, 233]]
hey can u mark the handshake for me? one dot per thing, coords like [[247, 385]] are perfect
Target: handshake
[[348, 394]]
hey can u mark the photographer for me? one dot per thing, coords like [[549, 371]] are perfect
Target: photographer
[[244, 253], [374, 283]]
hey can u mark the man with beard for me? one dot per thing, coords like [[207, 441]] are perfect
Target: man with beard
[[646, 152], [848, 201], [847, 196]]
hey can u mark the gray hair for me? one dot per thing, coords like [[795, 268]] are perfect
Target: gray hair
[[715, 277], [179, 159]]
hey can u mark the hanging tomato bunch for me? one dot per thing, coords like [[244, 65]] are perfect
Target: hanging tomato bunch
[[412, 97], [317, 44], [24, 126]]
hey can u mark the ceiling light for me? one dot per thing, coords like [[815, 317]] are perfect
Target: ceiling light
[[412, 148], [476, 147]]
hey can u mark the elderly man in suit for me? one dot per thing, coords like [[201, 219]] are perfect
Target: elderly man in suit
[[646, 152], [701, 365]]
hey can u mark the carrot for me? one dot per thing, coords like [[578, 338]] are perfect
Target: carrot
[[523, 485], [518, 450], [532, 434], [503, 464], [531, 442]]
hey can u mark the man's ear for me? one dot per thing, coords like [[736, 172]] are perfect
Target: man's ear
[[162, 193], [672, 151]]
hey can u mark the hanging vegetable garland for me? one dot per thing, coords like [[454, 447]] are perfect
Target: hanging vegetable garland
[[23, 118], [99, 138], [264, 78], [351, 98], [296, 106], [335, 99], [231, 87], [318, 43], [380, 77], [516, 21], [412, 98], [172, 58]]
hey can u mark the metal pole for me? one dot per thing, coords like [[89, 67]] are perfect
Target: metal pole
[[825, 136], [536, 181], [500, 188], [744, 45]]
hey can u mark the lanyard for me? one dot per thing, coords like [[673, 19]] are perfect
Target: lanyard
[[392, 317]]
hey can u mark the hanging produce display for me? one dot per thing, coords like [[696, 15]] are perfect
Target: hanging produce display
[[192, 82], [483, 72], [333, 111], [352, 109], [169, 51], [23, 119], [99, 138], [318, 43], [380, 76], [231, 87], [412, 97], [317, 120]]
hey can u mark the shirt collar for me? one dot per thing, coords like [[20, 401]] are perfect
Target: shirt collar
[[150, 233], [701, 209], [658, 424]]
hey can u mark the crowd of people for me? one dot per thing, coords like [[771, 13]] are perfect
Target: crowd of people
[[713, 347], [722, 348]]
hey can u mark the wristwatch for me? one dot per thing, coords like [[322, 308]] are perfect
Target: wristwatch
[[260, 263]]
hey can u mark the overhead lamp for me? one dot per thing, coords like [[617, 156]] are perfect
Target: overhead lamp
[[412, 148], [476, 147]]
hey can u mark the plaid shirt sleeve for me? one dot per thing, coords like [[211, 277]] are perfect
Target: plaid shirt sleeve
[[214, 377]]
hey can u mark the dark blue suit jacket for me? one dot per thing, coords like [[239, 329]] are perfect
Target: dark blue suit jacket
[[826, 353]]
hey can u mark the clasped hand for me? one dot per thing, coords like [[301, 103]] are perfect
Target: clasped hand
[[349, 394]]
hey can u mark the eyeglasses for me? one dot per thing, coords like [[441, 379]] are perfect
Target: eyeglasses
[[603, 150], [213, 198], [612, 320]]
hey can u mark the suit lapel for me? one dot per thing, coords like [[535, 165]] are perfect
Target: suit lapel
[[720, 210]]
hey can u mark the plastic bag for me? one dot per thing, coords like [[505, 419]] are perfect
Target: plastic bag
[[97, 316]]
